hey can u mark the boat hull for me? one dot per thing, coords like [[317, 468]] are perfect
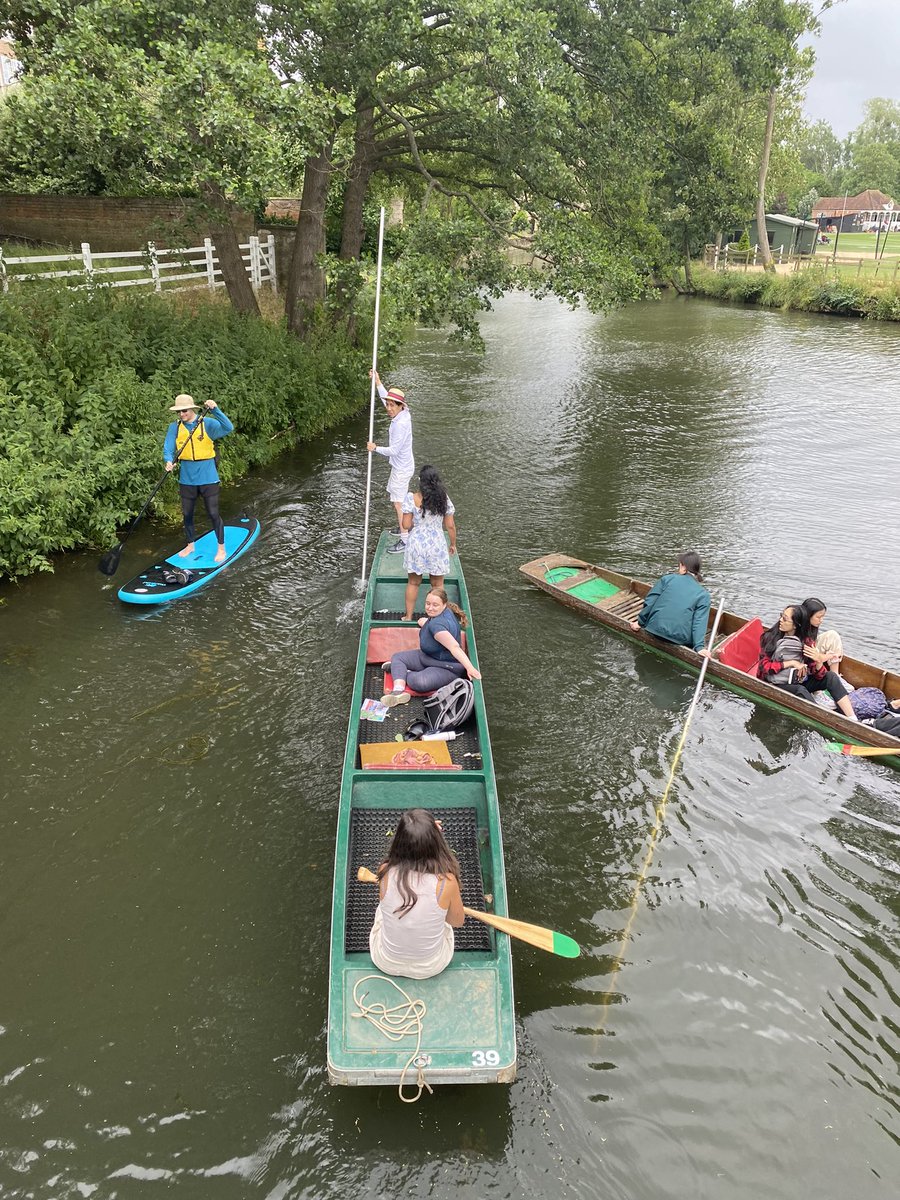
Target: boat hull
[[468, 1030], [616, 607]]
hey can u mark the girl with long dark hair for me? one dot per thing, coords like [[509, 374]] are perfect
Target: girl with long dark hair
[[427, 513], [420, 900], [785, 662], [819, 675]]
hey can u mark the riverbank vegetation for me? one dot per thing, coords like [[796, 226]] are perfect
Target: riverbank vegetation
[[86, 378], [815, 289], [616, 137], [607, 144]]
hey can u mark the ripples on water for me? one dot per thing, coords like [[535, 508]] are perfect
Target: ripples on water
[[172, 782]]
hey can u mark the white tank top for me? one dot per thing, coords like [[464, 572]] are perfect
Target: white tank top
[[419, 934]]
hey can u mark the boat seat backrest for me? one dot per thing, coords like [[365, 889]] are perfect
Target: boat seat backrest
[[387, 641], [740, 649]]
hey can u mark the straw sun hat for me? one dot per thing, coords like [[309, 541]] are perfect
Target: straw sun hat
[[182, 402]]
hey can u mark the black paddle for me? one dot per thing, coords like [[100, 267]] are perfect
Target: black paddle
[[109, 563]]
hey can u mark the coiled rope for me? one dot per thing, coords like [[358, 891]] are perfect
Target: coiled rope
[[398, 1021]]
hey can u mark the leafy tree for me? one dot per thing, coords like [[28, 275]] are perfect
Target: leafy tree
[[163, 97], [823, 155], [874, 150]]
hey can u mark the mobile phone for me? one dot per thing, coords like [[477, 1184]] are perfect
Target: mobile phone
[[791, 673]]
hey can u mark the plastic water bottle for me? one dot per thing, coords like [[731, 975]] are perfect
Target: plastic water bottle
[[446, 735]]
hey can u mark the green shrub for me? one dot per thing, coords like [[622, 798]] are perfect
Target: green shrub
[[86, 378], [811, 290]]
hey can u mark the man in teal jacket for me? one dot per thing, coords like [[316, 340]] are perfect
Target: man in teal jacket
[[676, 608]]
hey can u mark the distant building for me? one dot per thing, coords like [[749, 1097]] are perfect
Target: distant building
[[850, 214], [9, 66], [790, 235]]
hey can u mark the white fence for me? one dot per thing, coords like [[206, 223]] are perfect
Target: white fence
[[151, 266]]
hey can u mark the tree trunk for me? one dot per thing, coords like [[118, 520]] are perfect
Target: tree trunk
[[361, 169], [228, 252], [305, 289], [761, 232], [352, 225], [686, 246]]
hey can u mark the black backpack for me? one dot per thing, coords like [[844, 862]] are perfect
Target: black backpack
[[450, 706], [889, 722]]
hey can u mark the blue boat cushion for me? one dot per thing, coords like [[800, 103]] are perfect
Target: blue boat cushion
[[370, 830]]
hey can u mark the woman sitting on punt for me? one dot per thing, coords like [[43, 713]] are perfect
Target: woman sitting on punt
[[676, 608], [420, 900], [782, 661], [426, 514], [440, 657]]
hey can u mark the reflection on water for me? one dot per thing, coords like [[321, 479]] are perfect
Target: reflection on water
[[172, 778]]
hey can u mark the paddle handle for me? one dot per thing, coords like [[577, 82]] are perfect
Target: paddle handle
[[534, 935]]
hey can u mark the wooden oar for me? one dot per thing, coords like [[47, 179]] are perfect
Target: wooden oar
[[859, 751], [534, 935]]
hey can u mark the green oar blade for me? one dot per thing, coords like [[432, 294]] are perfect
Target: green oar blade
[[564, 946]]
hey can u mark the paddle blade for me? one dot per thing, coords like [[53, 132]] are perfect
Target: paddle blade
[[109, 563], [565, 947], [860, 751], [534, 935]]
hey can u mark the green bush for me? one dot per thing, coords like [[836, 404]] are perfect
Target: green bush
[[809, 290], [86, 378]]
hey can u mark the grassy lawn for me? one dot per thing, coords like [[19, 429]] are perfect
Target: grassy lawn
[[861, 243], [886, 272]]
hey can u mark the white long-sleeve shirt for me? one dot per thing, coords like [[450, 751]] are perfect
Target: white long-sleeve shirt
[[399, 450]]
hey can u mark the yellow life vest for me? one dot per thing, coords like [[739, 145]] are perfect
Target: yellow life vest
[[201, 444]]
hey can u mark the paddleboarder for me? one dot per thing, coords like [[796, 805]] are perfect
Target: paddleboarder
[[398, 452], [192, 439]]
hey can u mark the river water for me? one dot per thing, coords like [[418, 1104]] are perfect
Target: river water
[[171, 778]]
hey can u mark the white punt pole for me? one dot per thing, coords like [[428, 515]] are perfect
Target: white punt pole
[[365, 552]]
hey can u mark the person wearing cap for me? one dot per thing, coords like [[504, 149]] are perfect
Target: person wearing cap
[[190, 442], [398, 452]]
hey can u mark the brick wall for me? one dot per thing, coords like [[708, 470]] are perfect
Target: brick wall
[[108, 223]]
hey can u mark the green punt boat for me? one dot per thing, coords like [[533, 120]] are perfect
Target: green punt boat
[[468, 1028], [614, 600]]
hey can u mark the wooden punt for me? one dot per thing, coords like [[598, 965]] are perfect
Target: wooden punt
[[468, 1030], [615, 600]]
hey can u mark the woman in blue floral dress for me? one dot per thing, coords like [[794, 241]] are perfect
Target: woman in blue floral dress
[[427, 513]]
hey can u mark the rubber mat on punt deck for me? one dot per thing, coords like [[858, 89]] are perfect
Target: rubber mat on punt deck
[[400, 717], [370, 833]]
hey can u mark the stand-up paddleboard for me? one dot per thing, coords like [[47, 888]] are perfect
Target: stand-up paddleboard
[[153, 587]]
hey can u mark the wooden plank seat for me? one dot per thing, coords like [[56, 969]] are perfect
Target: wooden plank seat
[[574, 581], [623, 604]]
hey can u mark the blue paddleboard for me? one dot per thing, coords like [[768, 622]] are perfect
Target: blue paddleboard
[[150, 586]]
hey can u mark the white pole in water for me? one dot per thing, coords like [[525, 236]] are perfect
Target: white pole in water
[[365, 552]]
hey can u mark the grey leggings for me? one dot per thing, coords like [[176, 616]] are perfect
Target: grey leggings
[[423, 673]]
